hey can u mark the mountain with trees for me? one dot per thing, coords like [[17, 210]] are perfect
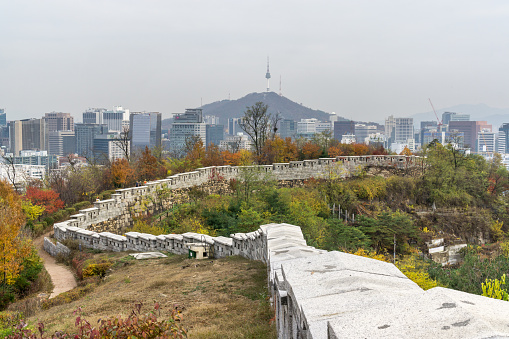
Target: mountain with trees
[[288, 109]]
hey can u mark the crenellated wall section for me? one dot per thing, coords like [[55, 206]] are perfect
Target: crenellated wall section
[[315, 293]]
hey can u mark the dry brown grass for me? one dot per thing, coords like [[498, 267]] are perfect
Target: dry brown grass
[[223, 298]]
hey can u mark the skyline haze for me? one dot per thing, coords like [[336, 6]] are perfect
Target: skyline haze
[[362, 60]]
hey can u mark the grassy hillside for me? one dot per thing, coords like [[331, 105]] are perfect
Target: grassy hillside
[[224, 298]]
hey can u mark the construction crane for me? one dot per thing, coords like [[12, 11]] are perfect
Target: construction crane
[[436, 115]]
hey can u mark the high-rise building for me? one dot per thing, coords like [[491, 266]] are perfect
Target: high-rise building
[[107, 147], [486, 142], [426, 126], [443, 137], [447, 117], [362, 132], [343, 127], [399, 130], [61, 143], [322, 126], [85, 134], [505, 129], [211, 120], [501, 143], [28, 134], [4, 136], [145, 130], [215, 133], [114, 119], [3, 118], [470, 129], [58, 121], [287, 128], [234, 126], [187, 125], [93, 116], [306, 127]]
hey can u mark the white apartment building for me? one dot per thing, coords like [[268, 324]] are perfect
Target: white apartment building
[[235, 143], [22, 172], [307, 126], [486, 141]]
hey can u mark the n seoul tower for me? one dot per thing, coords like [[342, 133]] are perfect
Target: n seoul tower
[[267, 75]]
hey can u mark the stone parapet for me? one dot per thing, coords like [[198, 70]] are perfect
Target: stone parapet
[[117, 210], [320, 294]]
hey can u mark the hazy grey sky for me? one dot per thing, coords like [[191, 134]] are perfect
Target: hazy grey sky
[[363, 59]]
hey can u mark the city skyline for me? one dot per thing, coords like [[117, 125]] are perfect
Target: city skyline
[[361, 60]]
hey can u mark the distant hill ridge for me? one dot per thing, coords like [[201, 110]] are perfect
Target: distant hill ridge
[[288, 109]]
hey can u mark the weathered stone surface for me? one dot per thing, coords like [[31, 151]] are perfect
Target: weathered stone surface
[[55, 249]]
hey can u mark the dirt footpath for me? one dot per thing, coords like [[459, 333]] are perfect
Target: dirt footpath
[[62, 277]]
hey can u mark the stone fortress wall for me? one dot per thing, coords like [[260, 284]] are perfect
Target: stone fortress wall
[[316, 294]]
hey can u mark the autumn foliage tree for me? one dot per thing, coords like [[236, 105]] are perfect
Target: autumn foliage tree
[[279, 150], [213, 156], [311, 150], [120, 174], [46, 198], [148, 166], [13, 249]]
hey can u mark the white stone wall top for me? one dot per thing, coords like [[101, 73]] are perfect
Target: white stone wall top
[[421, 315], [290, 253], [128, 189], [91, 209], [112, 236], [85, 232], [76, 216], [336, 261], [62, 224], [264, 228], [146, 236], [238, 236], [132, 234], [106, 201], [198, 237], [491, 311], [73, 228], [174, 236], [224, 240]]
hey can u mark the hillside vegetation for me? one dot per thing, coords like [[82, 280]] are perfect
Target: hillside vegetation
[[224, 298]]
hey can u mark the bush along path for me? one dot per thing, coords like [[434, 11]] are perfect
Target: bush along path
[[62, 277]]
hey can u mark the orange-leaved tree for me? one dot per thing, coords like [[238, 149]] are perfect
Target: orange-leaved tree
[[279, 150], [120, 174], [406, 151], [13, 249], [213, 156], [47, 198], [311, 150], [148, 167]]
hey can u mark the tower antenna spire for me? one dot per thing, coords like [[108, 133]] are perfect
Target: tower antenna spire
[[280, 93], [267, 75]]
